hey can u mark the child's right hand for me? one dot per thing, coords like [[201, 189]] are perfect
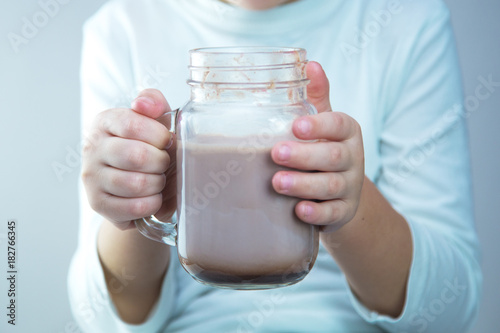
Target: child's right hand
[[127, 170]]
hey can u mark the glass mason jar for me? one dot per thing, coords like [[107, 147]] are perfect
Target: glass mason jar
[[233, 229]]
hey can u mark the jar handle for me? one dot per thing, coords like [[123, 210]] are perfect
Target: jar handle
[[150, 226]]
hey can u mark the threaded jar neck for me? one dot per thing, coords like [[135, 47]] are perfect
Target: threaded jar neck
[[226, 72]]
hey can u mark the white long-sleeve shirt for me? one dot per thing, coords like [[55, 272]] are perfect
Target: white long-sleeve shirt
[[393, 67]]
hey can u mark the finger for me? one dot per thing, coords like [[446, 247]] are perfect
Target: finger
[[126, 209], [318, 90], [169, 199], [130, 184], [329, 212], [132, 155], [320, 156], [151, 103], [126, 123], [317, 185], [332, 126]]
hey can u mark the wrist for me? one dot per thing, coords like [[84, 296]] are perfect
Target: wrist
[[374, 250]]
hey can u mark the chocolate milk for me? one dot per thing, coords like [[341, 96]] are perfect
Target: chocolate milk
[[235, 230]]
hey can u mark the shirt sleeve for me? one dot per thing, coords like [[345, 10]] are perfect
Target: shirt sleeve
[[425, 175], [107, 81]]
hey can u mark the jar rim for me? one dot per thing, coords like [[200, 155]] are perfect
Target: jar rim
[[249, 50]]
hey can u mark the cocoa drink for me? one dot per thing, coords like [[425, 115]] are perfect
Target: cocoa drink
[[237, 231]]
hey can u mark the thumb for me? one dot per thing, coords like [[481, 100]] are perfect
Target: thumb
[[151, 103], [318, 90]]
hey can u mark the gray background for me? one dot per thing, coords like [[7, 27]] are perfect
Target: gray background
[[39, 126]]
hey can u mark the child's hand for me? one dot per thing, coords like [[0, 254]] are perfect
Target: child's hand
[[127, 171], [333, 192]]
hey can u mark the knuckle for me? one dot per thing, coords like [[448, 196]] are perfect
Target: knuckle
[[87, 147], [333, 213], [86, 173], [90, 178], [102, 121], [132, 127], [335, 155], [115, 180], [140, 208], [96, 203], [138, 183], [86, 176], [334, 186], [138, 157], [336, 214], [338, 119], [91, 142]]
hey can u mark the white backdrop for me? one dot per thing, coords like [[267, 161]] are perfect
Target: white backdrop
[[39, 133]]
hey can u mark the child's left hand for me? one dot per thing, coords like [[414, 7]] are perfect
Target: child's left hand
[[332, 191]]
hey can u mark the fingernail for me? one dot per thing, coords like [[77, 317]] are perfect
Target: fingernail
[[304, 126], [285, 182], [284, 153], [170, 142], [145, 101], [306, 211]]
